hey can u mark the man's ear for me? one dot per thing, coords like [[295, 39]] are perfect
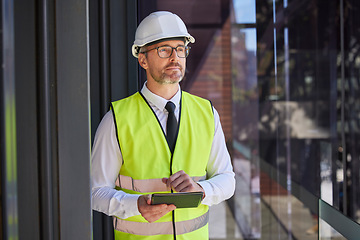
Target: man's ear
[[143, 61]]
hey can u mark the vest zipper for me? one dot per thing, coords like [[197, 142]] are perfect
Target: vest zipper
[[173, 212]]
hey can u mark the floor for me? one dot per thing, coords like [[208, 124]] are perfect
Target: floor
[[223, 225], [266, 215], [274, 224]]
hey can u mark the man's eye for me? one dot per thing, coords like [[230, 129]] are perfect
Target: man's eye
[[163, 50]]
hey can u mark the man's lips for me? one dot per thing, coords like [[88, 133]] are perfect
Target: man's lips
[[174, 67]]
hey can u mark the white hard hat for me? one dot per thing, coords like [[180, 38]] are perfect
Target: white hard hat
[[159, 25]]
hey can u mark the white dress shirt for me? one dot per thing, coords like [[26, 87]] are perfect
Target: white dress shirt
[[106, 161]]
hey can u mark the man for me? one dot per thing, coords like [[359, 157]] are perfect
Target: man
[[135, 153]]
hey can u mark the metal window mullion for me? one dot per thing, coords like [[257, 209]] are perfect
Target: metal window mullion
[[105, 93], [73, 118], [343, 140], [47, 122]]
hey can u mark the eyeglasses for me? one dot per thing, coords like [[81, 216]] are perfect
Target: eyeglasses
[[166, 51]]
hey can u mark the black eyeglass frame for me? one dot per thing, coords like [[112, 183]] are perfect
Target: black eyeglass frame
[[187, 50]]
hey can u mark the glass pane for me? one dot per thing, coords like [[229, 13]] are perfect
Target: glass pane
[[245, 132], [326, 187], [289, 107], [351, 106], [244, 11], [326, 232]]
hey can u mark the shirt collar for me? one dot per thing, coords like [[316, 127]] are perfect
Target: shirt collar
[[158, 101]]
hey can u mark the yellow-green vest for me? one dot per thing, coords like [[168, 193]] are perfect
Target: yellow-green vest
[[147, 159]]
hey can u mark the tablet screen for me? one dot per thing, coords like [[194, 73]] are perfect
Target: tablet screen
[[180, 200]]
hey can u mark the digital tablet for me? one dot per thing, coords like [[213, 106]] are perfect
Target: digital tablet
[[180, 200]]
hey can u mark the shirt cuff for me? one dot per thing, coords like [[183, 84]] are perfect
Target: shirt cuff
[[128, 207], [208, 192]]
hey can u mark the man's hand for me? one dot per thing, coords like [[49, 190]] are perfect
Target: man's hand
[[182, 182], [153, 212]]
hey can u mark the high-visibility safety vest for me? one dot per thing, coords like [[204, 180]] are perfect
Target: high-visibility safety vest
[[147, 159]]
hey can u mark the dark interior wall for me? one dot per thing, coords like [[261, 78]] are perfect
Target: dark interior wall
[[46, 149]]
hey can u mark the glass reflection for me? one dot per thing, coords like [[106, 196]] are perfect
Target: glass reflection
[[291, 110], [245, 11], [351, 106], [247, 202], [326, 187], [326, 232]]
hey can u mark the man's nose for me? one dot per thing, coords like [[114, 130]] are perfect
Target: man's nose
[[174, 54]]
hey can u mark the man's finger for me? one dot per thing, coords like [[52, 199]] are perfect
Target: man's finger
[[166, 181], [155, 212], [176, 175]]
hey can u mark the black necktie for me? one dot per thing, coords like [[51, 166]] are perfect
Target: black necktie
[[171, 126]]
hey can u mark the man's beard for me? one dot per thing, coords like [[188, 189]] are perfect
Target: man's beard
[[172, 78]]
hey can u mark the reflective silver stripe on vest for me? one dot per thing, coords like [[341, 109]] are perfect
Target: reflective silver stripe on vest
[[148, 229], [146, 185]]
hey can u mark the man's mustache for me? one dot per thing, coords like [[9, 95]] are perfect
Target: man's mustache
[[174, 65]]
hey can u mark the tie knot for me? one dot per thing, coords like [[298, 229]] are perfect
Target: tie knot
[[170, 107]]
